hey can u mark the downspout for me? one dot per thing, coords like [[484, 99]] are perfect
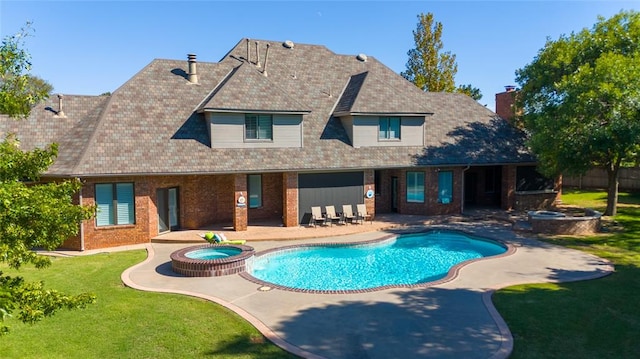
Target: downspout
[[462, 197], [81, 223]]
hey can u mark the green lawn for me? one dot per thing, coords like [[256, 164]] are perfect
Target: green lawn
[[592, 319], [127, 323]]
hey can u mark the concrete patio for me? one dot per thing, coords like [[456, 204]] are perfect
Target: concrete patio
[[450, 320]]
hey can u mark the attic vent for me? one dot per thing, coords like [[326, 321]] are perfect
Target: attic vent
[[288, 44], [362, 57]]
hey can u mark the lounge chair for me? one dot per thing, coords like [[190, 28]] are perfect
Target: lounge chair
[[331, 215], [362, 213], [317, 217], [347, 214]]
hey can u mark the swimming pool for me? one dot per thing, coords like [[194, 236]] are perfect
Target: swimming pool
[[406, 260]]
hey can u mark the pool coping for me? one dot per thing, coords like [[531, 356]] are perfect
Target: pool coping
[[451, 274]]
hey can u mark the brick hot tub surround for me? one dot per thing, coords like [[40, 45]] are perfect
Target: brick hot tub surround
[[550, 222], [191, 267]]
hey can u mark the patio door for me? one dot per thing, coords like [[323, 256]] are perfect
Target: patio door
[[168, 211]]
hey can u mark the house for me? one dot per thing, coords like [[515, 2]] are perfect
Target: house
[[270, 130]]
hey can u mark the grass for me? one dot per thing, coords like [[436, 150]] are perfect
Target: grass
[[591, 319], [126, 323]]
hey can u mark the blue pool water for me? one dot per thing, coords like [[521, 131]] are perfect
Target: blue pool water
[[213, 253], [405, 260]]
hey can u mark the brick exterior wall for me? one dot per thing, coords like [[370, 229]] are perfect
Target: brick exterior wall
[[202, 200], [508, 200], [290, 198], [430, 206], [369, 184], [96, 237], [240, 212]]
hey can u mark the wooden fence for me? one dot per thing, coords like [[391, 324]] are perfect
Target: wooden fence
[[629, 179]]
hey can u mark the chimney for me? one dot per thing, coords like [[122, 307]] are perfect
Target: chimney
[[60, 112], [266, 58], [193, 74], [257, 54], [505, 102]]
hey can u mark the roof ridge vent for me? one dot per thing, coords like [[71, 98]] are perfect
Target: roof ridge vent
[[362, 57], [288, 44]]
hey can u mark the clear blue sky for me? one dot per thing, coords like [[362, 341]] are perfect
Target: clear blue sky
[[91, 47]]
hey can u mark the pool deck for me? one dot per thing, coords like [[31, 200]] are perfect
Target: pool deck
[[455, 319]]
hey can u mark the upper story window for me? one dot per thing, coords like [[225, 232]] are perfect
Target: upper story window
[[258, 127], [389, 128]]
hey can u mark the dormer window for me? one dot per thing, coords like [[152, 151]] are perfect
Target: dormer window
[[389, 128], [258, 127]]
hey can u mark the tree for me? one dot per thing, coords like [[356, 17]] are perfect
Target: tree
[[580, 100], [428, 67], [19, 90], [32, 214], [470, 91]]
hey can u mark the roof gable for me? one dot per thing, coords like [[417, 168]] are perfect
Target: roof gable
[[365, 94], [248, 90]]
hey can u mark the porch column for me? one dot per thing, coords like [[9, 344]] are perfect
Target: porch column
[[240, 212], [290, 199], [370, 185], [508, 200]]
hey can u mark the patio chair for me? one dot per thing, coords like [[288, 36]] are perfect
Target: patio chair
[[331, 215], [317, 217], [362, 213], [347, 214]]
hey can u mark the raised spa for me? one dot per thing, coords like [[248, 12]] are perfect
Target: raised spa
[[402, 261], [211, 260]]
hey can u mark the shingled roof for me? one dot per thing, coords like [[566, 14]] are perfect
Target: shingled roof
[[153, 124]]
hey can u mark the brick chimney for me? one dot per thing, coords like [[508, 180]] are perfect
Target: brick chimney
[[505, 102]]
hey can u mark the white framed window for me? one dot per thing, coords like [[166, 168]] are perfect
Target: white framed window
[[389, 128], [115, 204], [258, 127], [445, 187], [415, 187], [255, 190]]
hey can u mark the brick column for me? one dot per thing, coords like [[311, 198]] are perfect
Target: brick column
[[240, 212], [508, 200], [290, 199], [369, 184]]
